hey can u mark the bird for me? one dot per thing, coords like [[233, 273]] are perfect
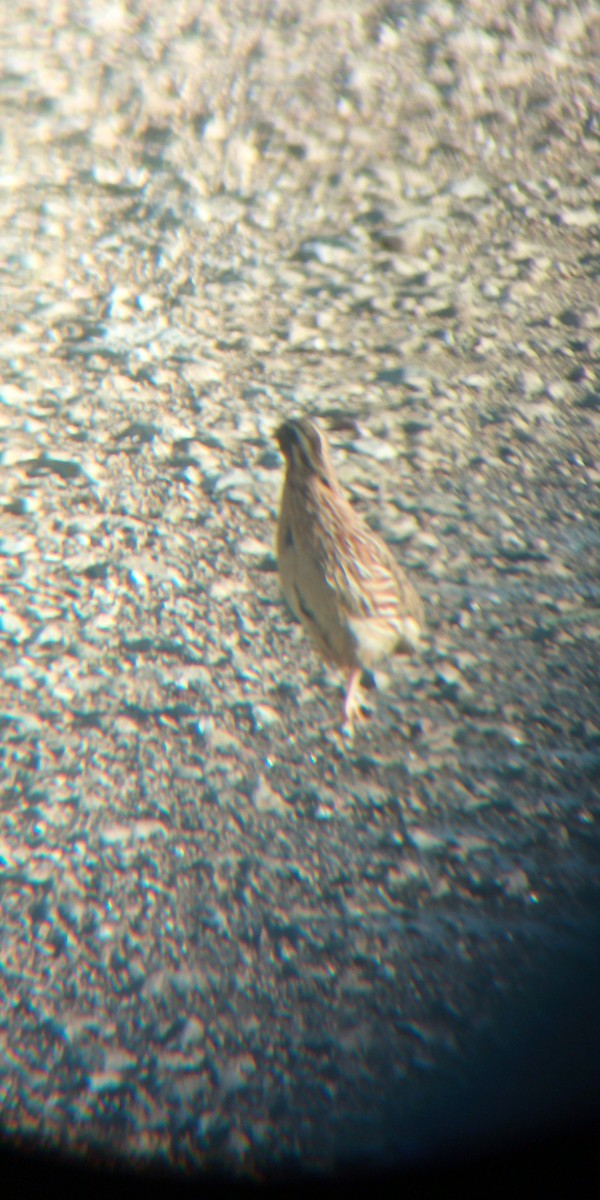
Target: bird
[[339, 578]]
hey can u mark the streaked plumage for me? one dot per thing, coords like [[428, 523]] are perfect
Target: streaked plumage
[[338, 577]]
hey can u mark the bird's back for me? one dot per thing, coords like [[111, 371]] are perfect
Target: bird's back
[[340, 579]]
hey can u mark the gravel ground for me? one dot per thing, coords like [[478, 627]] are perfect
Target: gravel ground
[[228, 938]]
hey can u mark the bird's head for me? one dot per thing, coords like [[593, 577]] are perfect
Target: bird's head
[[304, 448]]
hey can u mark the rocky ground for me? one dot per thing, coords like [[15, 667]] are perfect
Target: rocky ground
[[229, 938]]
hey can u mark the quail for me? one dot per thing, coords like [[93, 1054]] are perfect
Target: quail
[[338, 577]]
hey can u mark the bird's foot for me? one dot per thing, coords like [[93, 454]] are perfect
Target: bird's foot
[[354, 701]]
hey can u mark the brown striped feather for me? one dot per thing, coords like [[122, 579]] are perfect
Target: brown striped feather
[[339, 577]]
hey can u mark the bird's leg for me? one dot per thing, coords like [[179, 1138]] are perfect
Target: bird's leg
[[351, 706]]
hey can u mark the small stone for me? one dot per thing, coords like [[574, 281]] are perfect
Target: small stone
[[531, 383], [472, 188], [426, 842], [14, 396], [193, 1033], [516, 883], [477, 382], [116, 834], [146, 302], [376, 449], [298, 333], [120, 304], [331, 253], [265, 716], [13, 547], [235, 1073], [49, 635], [512, 734], [250, 547], [233, 481], [13, 626], [265, 799], [580, 218], [557, 389], [404, 530]]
